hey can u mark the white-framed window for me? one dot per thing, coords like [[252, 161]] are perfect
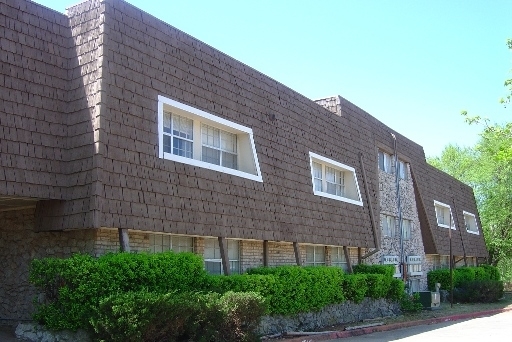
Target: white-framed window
[[443, 214], [403, 170], [338, 258], [385, 160], [414, 265], [406, 229], [470, 222], [213, 259], [165, 242], [393, 260], [192, 136], [388, 225], [315, 255], [334, 180]]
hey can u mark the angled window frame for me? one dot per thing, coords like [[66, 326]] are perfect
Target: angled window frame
[[444, 206], [466, 213], [351, 185], [247, 158]]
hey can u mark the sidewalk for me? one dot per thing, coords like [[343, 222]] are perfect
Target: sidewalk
[[393, 326]]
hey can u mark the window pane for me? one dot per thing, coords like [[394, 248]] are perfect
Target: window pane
[[211, 136], [167, 143], [330, 174], [317, 176], [387, 163], [211, 155], [182, 127], [228, 142], [167, 122], [229, 160], [232, 249], [381, 161], [234, 267], [320, 254], [213, 267], [182, 147], [310, 254]]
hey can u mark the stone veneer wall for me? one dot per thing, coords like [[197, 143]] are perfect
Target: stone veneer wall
[[19, 244], [388, 206]]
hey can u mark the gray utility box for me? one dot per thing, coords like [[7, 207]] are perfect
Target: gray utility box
[[430, 300]]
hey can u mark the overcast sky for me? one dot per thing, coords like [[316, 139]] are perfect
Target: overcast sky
[[414, 65]]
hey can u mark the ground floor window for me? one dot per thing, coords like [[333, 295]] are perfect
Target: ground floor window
[[213, 259], [165, 242], [315, 255], [338, 258]]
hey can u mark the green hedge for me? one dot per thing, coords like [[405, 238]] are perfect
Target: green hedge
[[74, 286], [461, 276], [301, 289], [150, 316], [386, 270]]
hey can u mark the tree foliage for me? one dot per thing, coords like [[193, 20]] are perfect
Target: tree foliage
[[487, 167]]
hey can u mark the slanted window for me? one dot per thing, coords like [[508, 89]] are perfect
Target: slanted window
[[406, 229], [443, 214], [393, 260], [385, 162], [338, 258], [403, 170], [213, 259], [414, 265], [470, 222], [166, 242], [191, 136], [315, 255], [334, 180], [388, 225]]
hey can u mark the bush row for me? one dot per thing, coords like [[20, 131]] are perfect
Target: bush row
[[75, 287], [461, 275], [470, 284]]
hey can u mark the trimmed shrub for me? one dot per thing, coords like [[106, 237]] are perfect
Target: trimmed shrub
[[378, 285], [145, 316], [481, 274], [441, 276], [396, 290], [301, 289], [479, 291], [492, 272], [463, 275], [73, 287], [386, 270], [355, 287], [410, 303]]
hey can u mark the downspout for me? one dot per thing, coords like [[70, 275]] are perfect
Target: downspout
[[376, 239], [456, 223], [399, 208]]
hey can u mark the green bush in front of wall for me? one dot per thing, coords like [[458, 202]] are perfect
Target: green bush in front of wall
[[302, 289], [492, 272], [74, 286], [386, 270], [355, 287], [396, 290], [175, 316], [461, 275]]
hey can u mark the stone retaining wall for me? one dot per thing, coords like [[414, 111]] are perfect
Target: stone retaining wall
[[348, 312]]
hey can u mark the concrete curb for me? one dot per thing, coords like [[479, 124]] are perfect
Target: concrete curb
[[394, 326]]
